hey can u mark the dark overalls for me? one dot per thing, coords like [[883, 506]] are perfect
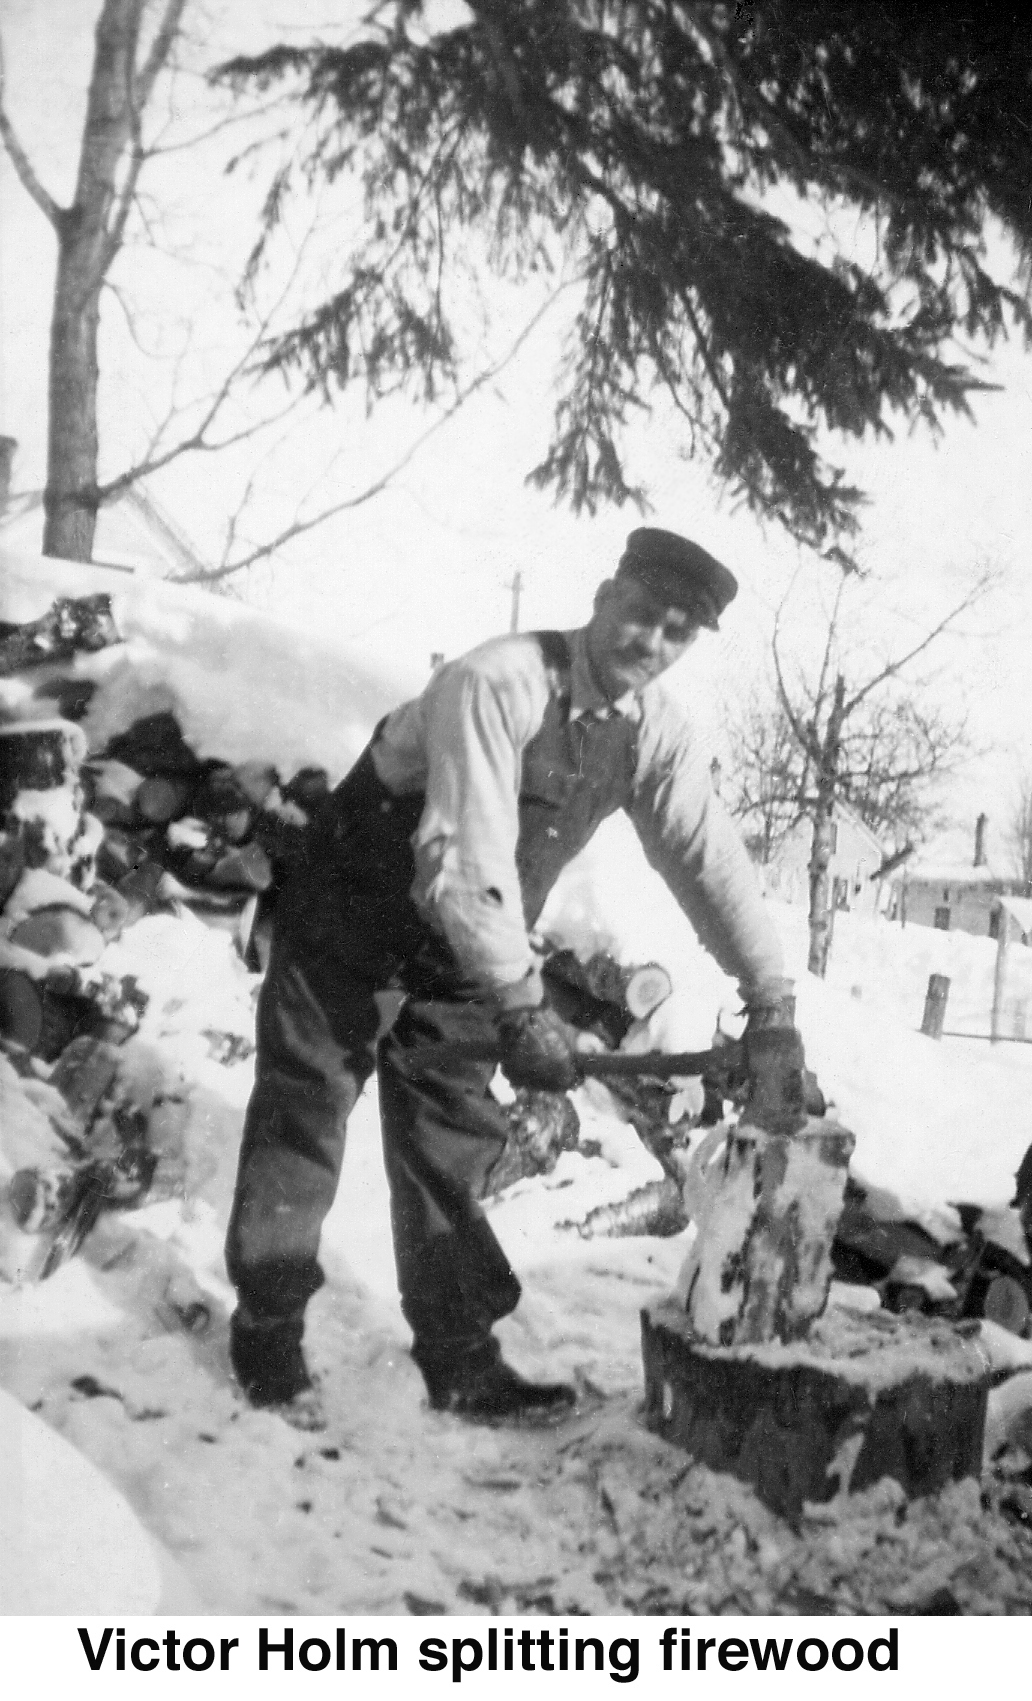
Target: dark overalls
[[345, 929]]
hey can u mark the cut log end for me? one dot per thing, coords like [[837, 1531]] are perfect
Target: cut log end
[[647, 988]]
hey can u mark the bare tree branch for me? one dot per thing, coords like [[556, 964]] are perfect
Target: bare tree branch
[[300, 527], [139, 85], [160, 49], [977, 592], [802, 733], [1020, 830], [232, 120], [125, 305], [197, 440], [822, 678], [21, 162]]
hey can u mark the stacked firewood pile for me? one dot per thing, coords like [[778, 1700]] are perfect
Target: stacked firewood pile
[[984, 1271], [89, 843], [208, 833]]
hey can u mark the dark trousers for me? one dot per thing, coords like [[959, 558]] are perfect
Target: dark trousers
[[344, 930]]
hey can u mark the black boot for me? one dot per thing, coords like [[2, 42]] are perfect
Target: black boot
[[476, 1383], [270, 1367]]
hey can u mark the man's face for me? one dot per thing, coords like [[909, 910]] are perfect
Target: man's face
[[633, 636]]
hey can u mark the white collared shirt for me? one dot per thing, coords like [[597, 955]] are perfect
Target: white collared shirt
[[461, 743]]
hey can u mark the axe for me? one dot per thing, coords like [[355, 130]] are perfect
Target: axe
[[717, 1063]]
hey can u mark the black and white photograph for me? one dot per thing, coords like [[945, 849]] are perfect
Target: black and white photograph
[[515, 838]]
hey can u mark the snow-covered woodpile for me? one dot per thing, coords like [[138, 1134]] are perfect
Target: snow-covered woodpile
[[91, 842]]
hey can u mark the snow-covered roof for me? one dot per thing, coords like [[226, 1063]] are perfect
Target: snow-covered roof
[[1021, 910], [957, 874]]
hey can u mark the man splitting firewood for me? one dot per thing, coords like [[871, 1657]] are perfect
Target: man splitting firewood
[[424, 873]]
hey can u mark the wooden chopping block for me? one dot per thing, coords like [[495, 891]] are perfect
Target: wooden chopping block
[[751, 1371], [861, 1398]]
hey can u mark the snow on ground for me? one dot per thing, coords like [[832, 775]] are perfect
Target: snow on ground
[[123, 1351]]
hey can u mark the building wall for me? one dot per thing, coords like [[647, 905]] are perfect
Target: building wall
[[856, 856], [963, 906]]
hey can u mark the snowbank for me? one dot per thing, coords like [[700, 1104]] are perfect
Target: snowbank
[[236, 680], [72, 1544]]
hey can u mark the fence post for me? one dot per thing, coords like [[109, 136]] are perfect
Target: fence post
[[1000, 977], [935, 1006]]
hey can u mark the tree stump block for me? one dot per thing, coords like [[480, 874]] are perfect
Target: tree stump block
[[861, 1398]]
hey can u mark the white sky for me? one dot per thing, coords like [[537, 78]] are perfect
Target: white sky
[[427, 565]]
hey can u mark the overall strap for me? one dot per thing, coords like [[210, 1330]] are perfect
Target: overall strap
[[555, 653]]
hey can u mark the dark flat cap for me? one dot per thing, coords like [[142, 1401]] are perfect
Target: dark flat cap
[[679, 570]]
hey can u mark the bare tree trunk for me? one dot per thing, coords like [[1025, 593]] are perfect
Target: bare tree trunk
[[70, 500], [821, 915], [87, 243]]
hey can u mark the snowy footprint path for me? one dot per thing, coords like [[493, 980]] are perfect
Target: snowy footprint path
[[395, 1509], [392, 1509]]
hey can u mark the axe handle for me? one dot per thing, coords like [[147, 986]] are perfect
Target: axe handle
[[662, 1064], [597, 1064]]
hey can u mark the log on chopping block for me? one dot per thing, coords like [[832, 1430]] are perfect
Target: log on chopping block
[[861, 1398], [760, 1266], [751, 1371]]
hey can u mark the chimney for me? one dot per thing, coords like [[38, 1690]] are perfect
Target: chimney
[[7, 447], [980, 829]]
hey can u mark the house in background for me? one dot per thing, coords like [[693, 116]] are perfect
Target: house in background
[[960, 897], [857, 855], [134, 533]]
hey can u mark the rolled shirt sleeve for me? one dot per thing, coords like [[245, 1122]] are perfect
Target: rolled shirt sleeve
[[691, 841], [465, 845]]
